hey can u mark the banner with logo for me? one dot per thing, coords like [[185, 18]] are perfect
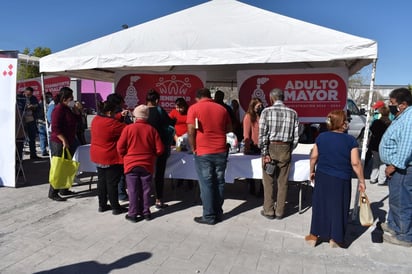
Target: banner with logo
[[313, 93], [8, 73], [52, 84], [134, 87]]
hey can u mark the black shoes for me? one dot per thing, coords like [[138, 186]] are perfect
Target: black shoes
[[57, 198], [66, 192], [118, 211], [270, 217], [147, 217], [35, 158], [132, 219], [104, 208], [200, 220]]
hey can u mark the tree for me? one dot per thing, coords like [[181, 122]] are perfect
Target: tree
[[355, 90], [31, 70]]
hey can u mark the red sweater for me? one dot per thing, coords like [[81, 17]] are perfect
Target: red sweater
[[64, 122], [139, 145], [105, 132]]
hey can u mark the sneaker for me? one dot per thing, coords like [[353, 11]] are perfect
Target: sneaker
[[200, 220], [393, 240], [57, 198], [385, 228]]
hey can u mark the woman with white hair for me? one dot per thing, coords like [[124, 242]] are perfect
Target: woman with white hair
[[139, 145]]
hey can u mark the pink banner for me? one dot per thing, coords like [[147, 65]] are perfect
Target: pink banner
[[134, 87], [312, 95], [51, 84]]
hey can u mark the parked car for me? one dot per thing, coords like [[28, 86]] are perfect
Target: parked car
[[357, 120]]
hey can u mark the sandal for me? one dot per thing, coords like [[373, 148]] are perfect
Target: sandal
[[311, 240]]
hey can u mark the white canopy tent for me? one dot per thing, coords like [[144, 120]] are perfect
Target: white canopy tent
[[219, 37]]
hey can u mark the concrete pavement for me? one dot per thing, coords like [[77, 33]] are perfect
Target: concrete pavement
[[38, 235]]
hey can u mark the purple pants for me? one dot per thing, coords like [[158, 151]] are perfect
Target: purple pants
[[139, 187]]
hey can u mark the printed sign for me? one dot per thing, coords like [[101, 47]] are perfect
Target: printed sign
[[134, 87], [8, 125], [51, 84], [312, 93]]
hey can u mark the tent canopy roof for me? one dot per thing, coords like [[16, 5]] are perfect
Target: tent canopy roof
[[219, 37]]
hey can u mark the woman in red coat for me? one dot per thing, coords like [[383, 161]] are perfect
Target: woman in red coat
[[139, 145], [105, 132]]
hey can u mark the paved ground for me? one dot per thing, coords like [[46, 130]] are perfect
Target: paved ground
[[38, 235]]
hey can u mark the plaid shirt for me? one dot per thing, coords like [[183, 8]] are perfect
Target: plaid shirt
[[396, 145], [278, 123]]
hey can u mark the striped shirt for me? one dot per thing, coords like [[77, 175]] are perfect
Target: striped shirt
[[278, 123], [396, 145]]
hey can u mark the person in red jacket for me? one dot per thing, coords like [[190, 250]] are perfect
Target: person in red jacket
[[139, 145], [105, 131]]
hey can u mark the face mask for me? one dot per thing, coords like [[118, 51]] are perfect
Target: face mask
[[70, 104], [394, 110]]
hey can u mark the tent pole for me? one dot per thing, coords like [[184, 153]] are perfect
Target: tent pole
[[95, 96], [43, 92], [365, 140]]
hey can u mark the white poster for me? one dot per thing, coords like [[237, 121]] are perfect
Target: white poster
[[8, 73]]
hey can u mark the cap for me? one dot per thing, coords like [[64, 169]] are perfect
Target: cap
[[378, 104], [141, 112]]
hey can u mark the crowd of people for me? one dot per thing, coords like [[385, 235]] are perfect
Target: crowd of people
[[132, 148]]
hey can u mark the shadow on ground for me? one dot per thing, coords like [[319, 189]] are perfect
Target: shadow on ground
[[96, 267]]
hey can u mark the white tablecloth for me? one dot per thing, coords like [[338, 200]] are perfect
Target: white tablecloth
[[180, 165]]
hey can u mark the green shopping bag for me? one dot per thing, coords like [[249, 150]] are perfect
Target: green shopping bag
[[62, 170]]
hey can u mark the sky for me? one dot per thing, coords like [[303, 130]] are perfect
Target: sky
[[58, 25]]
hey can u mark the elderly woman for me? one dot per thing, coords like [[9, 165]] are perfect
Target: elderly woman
[[139, 145], [335, 154]]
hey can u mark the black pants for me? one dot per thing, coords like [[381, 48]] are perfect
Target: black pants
[[107, 183], [160, 173]]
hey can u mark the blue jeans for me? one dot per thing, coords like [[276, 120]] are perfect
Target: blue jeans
[[210, 169], [42, 137], [400, 204]]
